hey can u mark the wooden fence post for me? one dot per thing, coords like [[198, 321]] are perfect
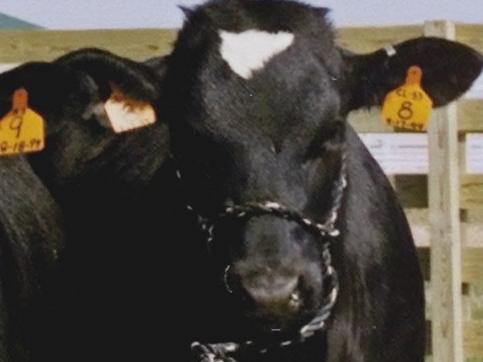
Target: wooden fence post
[[443, 194]]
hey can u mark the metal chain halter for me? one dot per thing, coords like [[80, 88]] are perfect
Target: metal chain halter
[[327, 231]]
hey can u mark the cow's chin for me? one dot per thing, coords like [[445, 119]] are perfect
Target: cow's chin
[[280, 321]]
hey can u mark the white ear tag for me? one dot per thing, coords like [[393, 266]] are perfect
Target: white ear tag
[[251, 50], [126, 114]]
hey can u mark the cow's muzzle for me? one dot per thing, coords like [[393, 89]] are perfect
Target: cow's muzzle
[[272, 296]]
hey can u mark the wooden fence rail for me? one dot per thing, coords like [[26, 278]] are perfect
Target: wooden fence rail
[[462, 310]]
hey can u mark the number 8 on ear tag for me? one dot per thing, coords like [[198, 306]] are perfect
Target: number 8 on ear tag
[[408, 107]]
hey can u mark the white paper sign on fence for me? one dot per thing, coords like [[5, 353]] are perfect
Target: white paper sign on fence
[[474, 153], [401, 154]]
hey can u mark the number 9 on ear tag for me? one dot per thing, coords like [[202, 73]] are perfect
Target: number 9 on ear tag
[[21, 130], [408, 107]]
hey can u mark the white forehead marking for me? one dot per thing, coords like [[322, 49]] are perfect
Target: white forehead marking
[[250, 50]]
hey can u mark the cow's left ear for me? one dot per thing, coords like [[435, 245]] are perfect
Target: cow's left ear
[[449, 69], [134, 79], [129, 90]]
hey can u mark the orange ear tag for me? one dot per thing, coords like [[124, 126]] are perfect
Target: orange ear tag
[[21, 130], [408, 107], [126, 114]]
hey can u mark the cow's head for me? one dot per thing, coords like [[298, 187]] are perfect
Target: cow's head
[[70, 94], [257, 94]]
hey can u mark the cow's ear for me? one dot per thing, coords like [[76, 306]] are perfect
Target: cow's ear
[[132, 83], [54, 91], [449, 69]]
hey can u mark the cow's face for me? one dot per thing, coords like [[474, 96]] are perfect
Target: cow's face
[[258, 118], [257, 97]]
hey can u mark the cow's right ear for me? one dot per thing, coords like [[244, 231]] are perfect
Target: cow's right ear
[[54, 91], [129, 90]]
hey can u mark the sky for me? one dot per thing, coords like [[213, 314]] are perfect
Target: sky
[[95, 14]]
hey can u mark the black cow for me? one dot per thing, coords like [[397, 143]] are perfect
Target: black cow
[[257, 94], [116, 192], [305, 234]]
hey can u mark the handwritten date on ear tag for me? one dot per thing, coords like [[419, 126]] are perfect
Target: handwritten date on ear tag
[[22, 129], [126, 114], [409, 106]]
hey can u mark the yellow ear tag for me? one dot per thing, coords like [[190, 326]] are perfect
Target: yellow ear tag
[[126, 114], [408, 107], [21, 130]]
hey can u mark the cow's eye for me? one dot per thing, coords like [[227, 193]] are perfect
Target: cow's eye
[[328, 139]]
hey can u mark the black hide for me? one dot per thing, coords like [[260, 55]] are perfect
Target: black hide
[[280, 135], [116, 195], [31, 241]]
